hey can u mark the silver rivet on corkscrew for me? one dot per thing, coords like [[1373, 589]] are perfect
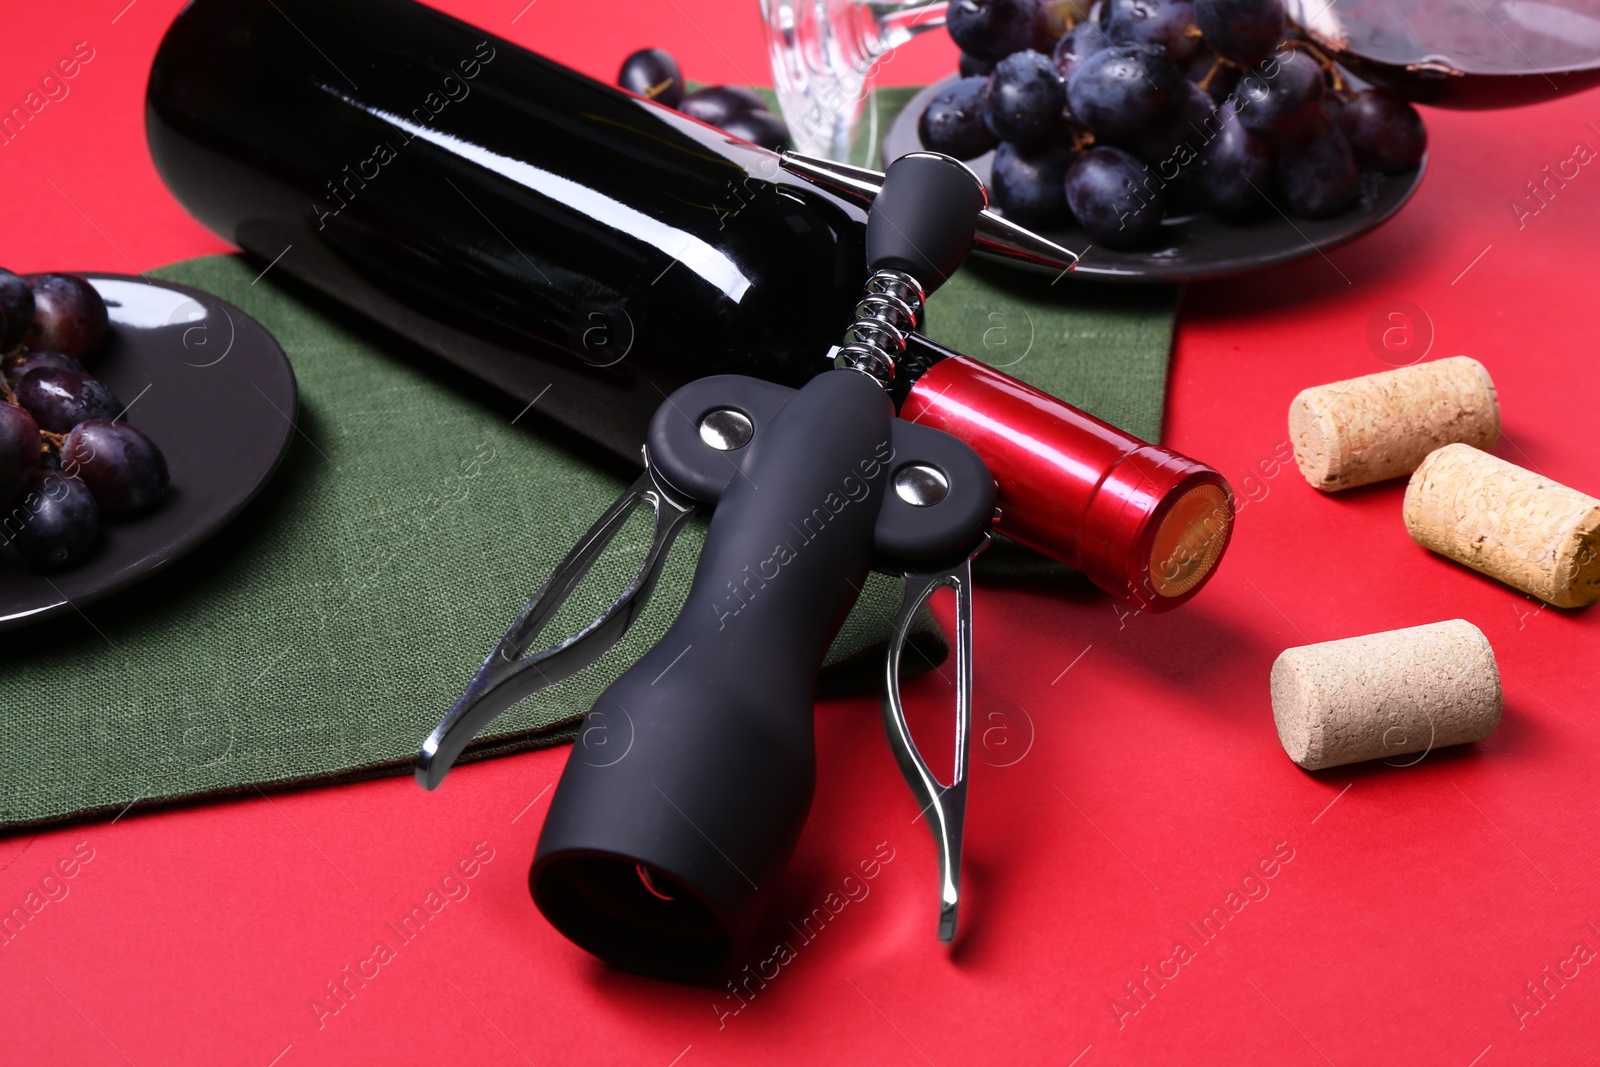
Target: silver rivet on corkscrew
[[920, 485], [725, 429]]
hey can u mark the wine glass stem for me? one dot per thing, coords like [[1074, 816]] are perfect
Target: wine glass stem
[[824, 54], [902, 20]]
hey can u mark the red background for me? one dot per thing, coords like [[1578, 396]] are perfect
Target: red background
[[1413, 911]]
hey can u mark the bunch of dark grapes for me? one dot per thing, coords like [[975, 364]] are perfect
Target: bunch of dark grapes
[[654, 74], [1117, 115], [67, 461]]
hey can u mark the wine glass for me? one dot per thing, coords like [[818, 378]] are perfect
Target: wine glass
[[824, 55]]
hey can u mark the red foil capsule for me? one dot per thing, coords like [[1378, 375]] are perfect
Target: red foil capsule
[[1141, 521]]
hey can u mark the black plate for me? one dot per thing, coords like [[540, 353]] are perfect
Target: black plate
[[215, 392], [1197, 246]]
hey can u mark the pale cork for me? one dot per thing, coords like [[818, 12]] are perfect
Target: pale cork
[[1393, 696], [1364, 430], [1534, 534]]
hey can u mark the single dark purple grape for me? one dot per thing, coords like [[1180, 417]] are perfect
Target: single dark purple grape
[[954, 122], [59, 399], [1028, 184], [1317, 170], [29, 360], [68, 315], [1081, 42], [654, 75], [1025, 98], [1235, 172], [719, 105], [1244, 31], [973, 67], [1172, 145], [20, 447], [16, 307], [1118, 91], [122, 467], [1282, 96], [760, 127], [1386, 132], [53, 521], [1167, 24], [1115, 198], [992, 29]]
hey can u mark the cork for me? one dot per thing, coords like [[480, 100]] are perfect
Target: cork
[[1364, 430], [1509, 523], [1384, 695]]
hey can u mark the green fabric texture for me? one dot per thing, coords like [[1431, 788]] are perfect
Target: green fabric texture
[[326, 630], [322, 634]]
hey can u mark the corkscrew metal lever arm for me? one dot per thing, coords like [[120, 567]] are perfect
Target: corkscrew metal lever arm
[[943, 805], [919, 229], [510, 673]]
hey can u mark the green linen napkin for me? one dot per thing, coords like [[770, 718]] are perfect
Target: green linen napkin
[[320, 636], [326, 630]]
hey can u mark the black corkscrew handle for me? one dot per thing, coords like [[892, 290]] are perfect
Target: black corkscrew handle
[[660, 852]]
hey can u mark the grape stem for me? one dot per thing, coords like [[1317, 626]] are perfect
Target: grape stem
[[1205, 83], [1328, 66], [48, 441]]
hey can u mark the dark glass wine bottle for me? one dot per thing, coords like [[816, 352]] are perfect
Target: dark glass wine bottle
[[559, 237], [589, 250]]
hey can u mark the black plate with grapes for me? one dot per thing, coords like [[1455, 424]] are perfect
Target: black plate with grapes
[[1166, 140], [157, 420]]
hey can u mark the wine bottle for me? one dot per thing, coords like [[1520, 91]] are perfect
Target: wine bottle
[[512, 215], [590, 250]]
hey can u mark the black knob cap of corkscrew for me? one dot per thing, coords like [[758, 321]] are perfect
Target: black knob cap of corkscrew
[[923, 218]]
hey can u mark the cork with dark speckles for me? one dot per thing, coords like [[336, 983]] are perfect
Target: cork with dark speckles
[[1365, 430], [1534, 534]]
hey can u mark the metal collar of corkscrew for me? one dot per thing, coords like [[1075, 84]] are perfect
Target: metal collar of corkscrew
[[661, 855]]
